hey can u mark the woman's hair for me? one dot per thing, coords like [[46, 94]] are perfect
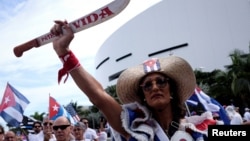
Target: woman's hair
[[178, 108]]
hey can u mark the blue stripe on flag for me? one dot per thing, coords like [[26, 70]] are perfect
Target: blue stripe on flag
[[10, 120]]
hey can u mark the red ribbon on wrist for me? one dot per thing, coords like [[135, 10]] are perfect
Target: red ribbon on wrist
[[70, 62]]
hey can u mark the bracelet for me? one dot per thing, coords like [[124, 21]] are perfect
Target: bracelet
[[70, 62]]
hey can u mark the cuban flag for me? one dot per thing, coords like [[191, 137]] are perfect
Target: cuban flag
[[12, 106], [209, 104], [151, 65], [56, 110]]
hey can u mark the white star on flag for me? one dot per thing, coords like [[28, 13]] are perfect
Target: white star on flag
[[6, 100], [55, 108]]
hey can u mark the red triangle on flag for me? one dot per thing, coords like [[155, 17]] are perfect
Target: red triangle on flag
[[8, 99], [53, 107]]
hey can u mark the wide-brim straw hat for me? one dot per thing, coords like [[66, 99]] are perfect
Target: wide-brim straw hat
[[176, 68]]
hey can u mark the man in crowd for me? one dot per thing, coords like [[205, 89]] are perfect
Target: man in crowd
[[62, 129], [10, 136], [47, 130], [246, 115], [235, 117], [38, 133], [89, 132]]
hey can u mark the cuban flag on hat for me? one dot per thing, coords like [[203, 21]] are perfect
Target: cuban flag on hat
[[151, 65], [12, 106]]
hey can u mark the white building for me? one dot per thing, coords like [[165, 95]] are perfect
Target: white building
[[204, 32]]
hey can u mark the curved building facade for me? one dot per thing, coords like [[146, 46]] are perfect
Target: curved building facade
[[204, 32]]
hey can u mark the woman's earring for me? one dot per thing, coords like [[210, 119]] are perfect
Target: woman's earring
[[171, 95]]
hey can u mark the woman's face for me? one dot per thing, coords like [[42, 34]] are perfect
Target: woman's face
[[156, 90], [78, 133]]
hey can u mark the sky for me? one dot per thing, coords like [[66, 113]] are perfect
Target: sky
[[35, 73]]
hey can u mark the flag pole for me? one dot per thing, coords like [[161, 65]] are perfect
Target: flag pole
[[49, 106], [188, 111]]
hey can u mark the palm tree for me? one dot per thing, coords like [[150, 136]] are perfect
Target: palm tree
[[240, 74], [220, 88], [38, 116], [111, 90], [78, 108]]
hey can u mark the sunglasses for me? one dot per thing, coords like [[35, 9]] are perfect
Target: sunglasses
[[85, 122], [62, 127], [161, 82], [47, 123], [7, 138]]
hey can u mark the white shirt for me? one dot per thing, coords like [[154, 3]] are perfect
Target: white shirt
[[40, 137], [236, 119], [36, 137], [247, 116], [90, 134], [103, 136]]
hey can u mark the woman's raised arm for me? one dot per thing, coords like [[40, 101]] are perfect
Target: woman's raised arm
[[86, 82]]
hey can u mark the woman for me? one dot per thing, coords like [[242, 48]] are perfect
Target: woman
[[78, 131], [153, 93]]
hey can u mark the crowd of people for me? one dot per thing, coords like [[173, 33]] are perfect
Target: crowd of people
[[59, 130], [236, 118], [62, 130], [232, 112]]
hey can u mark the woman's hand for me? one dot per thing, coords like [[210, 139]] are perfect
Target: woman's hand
[[65, 35]]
